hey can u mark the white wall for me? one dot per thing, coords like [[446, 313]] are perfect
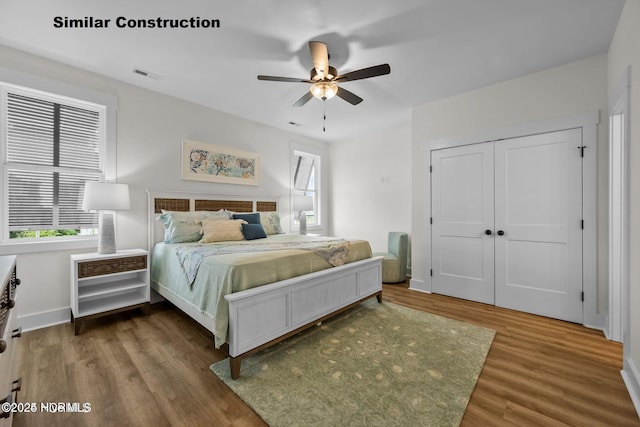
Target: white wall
[[569, 89], [371, 185], [625, 51], [150, 127]]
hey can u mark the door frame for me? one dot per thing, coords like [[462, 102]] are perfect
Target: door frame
[[588, 122], [618, 322]]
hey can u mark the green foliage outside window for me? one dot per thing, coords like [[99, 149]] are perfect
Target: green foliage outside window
[[42, 233]]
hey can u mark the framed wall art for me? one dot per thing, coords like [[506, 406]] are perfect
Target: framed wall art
[[214, 163]]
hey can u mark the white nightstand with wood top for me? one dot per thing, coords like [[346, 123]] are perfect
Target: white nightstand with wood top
[[103, 284]]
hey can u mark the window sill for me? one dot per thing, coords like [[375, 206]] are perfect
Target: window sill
[[314, 229], [16, 248]]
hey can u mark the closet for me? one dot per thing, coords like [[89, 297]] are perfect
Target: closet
[[506, 225]]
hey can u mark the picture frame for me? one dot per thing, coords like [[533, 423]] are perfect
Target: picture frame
[[214, 163]]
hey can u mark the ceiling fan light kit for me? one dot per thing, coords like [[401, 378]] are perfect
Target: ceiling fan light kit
[[324, 90]]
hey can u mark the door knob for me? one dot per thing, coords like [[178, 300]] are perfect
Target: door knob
[[487, 232], [500, 233]]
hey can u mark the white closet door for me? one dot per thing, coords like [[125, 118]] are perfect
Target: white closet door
[[538, 207], [462, 209]]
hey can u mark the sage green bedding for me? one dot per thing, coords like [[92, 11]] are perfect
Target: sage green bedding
[[249, 264]]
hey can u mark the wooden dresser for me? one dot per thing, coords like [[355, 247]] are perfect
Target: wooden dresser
[[9, 383]]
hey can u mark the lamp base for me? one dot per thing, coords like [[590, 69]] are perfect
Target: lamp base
[[107, 236], [302, 217]]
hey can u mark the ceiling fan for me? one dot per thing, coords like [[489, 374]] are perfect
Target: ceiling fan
[[324, 78]]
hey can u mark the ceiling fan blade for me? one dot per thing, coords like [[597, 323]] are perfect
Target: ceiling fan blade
[[284, 79], [320, 57], [304, 99], [350, 97], [365, 73]]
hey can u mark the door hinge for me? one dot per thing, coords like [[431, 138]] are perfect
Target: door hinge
[[581, 148], [431, 272], [582, 296], [582, 224], [431, 220], [430, 168]]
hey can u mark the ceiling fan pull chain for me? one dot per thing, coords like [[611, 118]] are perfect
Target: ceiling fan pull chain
[[324, 115]]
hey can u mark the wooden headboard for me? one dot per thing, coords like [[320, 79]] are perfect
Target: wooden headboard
[[190, 202]]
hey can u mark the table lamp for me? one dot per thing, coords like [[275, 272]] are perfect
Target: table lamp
[[105, 196], [302, 204]]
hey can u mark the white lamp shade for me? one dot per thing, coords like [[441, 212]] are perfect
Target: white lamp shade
[[109, 196], [302, 203]]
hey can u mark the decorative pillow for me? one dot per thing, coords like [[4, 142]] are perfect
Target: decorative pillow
[[271, 223], [251, 218], [253, 231], [182, 227], [222, 230]]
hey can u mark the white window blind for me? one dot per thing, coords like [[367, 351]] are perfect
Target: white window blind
[[52, 148]]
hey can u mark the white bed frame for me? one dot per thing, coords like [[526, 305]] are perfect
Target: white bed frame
[[263, 316]]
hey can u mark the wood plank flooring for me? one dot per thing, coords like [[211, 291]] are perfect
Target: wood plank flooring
[[138, 370]]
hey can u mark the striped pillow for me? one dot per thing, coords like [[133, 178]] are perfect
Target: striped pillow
[[222, 230]]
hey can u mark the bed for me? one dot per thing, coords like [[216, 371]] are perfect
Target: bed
[[254, 293]]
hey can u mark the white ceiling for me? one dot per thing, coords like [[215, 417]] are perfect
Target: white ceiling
[[436, 48]]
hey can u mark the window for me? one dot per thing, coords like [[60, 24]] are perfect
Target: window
[[50, 146], [305, 169]]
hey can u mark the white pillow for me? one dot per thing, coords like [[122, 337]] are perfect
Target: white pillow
[[180, 227]]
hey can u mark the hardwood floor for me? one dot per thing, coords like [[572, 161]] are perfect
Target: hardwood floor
[[153, 370]]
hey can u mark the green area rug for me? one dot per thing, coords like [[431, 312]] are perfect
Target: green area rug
[[374, 365]]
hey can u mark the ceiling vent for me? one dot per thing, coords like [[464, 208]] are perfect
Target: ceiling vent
[[149, 74]]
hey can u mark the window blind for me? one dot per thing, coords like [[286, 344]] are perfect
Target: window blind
[[52, 149]]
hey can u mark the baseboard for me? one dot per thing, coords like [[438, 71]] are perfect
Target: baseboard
[[600, 325], [631, 379], [605, 327], [155, 297], [418, 285], [30, 322]]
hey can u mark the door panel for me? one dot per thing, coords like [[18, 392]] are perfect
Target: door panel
[[462, 209], [538, 206], [528, 192]]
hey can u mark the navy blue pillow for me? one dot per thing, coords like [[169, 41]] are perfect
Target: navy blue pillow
[[251, 218], [253, 231]]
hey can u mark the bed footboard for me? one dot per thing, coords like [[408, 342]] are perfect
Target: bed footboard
[[263, 316]]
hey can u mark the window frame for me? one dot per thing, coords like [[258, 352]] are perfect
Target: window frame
[[60, 92], [318, 177]]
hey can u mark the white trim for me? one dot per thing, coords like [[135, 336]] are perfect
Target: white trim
[[588, 121], [35, 246], [426, 285], [30, 322], [419, 286], [322, 184], [619, 198], [631, 379], [590, 315]]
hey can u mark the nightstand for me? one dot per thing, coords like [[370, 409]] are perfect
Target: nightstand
[[103, 284]]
